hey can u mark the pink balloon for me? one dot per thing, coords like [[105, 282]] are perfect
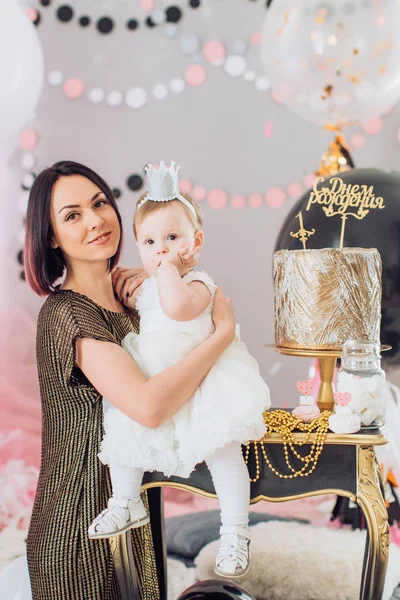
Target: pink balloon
[[255, 200], [195, 75], [295, 190], [280, 93], [217, 199], [28, 139], [199, 193], [373, 126], [32, 14], [214, 51], [357, 140], [275, 197], [238, 201], [309, 180], [185, 185], [73, 87], [268, 129]]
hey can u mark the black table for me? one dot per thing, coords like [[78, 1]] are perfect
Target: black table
[[347, 467]]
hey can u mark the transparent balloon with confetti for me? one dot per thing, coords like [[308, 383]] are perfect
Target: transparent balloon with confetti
[[333, 62]]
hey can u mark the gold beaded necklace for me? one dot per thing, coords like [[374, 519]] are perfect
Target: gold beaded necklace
[[285, 424]]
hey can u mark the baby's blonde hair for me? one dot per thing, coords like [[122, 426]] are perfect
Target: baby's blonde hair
[[151, 206]]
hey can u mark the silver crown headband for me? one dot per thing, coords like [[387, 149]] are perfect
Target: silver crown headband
[[163, 186]]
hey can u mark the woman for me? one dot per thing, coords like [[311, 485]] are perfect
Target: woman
[[73, 226]]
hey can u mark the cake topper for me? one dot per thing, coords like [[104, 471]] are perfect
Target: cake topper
[[341, 198], [302, 234]]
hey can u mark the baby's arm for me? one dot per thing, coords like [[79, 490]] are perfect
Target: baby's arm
[[179, 300]]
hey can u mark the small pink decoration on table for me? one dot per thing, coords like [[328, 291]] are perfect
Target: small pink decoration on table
[[344, 420], [342, 399], [307, 411], [305, 387]]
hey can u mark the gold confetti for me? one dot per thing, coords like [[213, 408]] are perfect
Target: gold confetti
[[324, 64], [354, 79], [321, 16], [382, 47], [285, 22], [327, 92]]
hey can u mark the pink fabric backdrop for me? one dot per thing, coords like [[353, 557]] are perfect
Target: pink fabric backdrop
[[20, 418]]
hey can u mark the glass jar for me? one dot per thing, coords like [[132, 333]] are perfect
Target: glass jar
[[361, 375]]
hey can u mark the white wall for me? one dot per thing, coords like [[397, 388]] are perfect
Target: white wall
[[215, 132]]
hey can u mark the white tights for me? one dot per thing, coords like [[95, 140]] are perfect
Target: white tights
[[229, 474]]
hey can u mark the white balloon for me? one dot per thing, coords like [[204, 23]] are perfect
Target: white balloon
[[21, 69], [332, 65], [14, 580]]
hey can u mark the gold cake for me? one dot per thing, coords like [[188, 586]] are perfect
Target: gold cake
[[325, 297]]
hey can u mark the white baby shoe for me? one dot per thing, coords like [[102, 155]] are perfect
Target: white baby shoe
[[120, 515], [233, 555]]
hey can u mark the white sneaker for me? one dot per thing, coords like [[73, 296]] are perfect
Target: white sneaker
[[120, 515], [233, 555]]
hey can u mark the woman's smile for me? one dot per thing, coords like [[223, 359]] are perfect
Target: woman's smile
[[101, 239]]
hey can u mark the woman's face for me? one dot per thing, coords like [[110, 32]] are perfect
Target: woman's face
[[85, 225]]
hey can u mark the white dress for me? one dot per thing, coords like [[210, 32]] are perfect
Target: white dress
[[227, 406]]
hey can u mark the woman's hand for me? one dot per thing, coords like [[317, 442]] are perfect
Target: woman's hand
[[184, 260], [126, 283], [223, 316]]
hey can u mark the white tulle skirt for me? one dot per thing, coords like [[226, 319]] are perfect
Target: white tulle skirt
[[228, 406]]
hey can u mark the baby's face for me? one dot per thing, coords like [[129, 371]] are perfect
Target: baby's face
[[166, 230]]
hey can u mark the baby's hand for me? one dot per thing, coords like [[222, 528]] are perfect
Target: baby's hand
[[184, 260]]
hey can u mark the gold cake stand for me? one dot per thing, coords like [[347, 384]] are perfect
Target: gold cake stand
[[327, 363]]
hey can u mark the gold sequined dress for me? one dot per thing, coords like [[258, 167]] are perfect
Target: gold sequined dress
[[73, 485]]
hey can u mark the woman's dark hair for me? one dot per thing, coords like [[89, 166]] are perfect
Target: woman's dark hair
[[44, 264]]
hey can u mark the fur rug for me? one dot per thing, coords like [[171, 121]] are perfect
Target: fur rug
[[180, 577], [302, 562]]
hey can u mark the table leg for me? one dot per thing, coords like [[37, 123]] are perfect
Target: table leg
[[124, 564], [156, 505], [372, 503]]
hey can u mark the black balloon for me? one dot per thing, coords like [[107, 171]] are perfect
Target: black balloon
[[379, 229], [215, 589]]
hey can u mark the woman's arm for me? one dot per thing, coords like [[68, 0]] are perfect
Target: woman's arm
[[149, 402], [126, 284]]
